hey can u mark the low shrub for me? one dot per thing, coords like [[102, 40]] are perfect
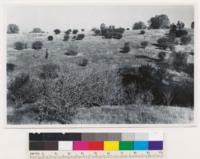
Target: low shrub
[[75, 31], [10, 67], [68, 31], [164, 43], [186, 40], [80, 36], [161, 56], [57, 31], [37, 45], [82, 29], [20, 45], [71, 53], [144, 44], [49, 71], [126, 48], [127, 28], [181, 32], [179, 60], [83, 62], [66, 37], [50, 38], [142, 32]]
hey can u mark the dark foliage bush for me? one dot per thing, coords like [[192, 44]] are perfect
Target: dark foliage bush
[[139, 25], [179, 60], [119, 30], [127, 28], [83, 62], [114, 35], [180, 25], [50, 38], [71, 53], [75, 31], [68, 31], [192, 25], [23, 90], [186, 40], [37, 30], [49, 71], [144, 44], [57, 31], [82, 29], [37, 45], [182, 32], [142, 32], [80, 36], [20, 45], [10, 67], [97, 32], [164, 43], [159, 22], [126, 48], [66, 37], [161, 55], [12, 29]]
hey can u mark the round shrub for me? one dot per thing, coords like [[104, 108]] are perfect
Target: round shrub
[[37, 30], [37, 45], [144, 44], [127, 28], [139, 25], [20, 45], [57, 31], [80, 36], [75, 31], [185, 40], [50, 38], [12, 29], [142, 32], [161, 56], [181, 32], [82, 29], [163, 43], [49, 71]]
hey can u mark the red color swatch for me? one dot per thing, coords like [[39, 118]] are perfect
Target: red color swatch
[[95, 145]]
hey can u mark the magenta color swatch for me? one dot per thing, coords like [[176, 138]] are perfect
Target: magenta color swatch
[[80, 145]]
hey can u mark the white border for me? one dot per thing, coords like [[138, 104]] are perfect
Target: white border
[[91, 126]]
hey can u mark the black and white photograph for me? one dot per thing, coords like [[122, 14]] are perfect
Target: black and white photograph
[[100, 64]]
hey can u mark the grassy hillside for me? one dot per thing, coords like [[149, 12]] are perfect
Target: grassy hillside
[[78, 94]]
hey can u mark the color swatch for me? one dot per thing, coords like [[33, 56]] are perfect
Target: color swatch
[[96, 141]]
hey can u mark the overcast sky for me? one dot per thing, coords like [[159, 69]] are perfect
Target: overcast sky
[[88, 16]]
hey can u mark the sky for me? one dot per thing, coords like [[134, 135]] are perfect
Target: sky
[[64, 17]]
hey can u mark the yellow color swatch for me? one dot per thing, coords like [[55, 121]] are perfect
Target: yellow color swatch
[[111, 145]]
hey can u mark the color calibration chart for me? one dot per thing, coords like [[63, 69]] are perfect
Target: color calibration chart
[[137, 145]]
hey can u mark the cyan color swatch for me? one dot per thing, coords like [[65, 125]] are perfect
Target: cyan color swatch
[[141, 145]]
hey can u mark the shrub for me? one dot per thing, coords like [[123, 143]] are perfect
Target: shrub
[[116, 35], [180, 25], [66, 37], [82, 29], [83, 62], [71, 53], [49, 71], [164, 43], [139, 25], [75, 31], [180, 33], [142, 32], [159, 22], [144, 44], [37, 45], [57, 31], [161, 56], [20, 45], [37, 30], [179, 60], [12, 29], [192, 25], [185, 40], [127, 28], [126, 48], [10, 67], [23, 90], [119, 30], [50, 38], [80, 36], [68, 31]]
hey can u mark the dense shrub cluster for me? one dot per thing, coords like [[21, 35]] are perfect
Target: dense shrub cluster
[[20, 45], [37, 45], [185, 40], [159, 22]]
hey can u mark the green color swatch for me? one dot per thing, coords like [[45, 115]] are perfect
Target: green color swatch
[[126, 145]]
